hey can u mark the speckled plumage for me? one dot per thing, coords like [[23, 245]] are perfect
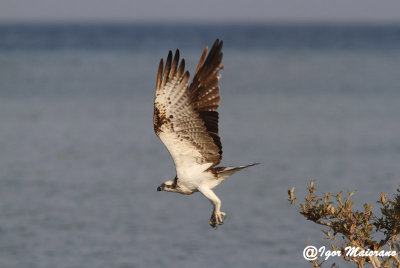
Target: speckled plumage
[[186, 120]]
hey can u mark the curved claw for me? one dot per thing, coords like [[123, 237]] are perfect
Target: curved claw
[[217, 218]]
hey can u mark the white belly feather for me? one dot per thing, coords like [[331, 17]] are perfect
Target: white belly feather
[[186, 157]]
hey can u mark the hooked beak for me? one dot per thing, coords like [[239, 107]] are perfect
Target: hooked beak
[[159, 189]]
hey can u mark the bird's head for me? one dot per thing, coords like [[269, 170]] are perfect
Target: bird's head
[[168, 186]]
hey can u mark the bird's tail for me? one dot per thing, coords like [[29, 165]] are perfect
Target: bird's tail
[[225, 172]]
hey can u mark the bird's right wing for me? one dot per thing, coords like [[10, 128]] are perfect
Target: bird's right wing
[[177, 123]]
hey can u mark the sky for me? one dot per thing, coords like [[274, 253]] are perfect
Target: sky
[[200, 10]]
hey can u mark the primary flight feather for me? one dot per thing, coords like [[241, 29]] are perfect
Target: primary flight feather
[[186, 120]]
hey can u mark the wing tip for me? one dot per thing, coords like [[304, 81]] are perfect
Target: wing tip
[[159, 73]]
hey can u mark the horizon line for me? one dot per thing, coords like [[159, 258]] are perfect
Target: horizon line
[[201, 22]]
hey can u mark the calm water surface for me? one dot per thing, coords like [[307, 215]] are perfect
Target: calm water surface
[[80, 163]]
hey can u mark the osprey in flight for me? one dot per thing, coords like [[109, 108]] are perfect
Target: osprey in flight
[[186, 121]]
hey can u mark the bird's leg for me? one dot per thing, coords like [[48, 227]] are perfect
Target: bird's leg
[[217, 217]]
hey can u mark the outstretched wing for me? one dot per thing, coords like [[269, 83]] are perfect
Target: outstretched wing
[[205, 91], [185, 118]]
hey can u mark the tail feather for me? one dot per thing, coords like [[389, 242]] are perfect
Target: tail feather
[[224, 172]]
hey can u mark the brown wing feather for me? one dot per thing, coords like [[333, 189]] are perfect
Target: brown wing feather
[[205, 91], [180, 120]]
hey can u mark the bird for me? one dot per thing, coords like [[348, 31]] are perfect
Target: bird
[[186, 120]]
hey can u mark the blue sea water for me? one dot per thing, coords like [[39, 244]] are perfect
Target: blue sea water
[[79, 163]]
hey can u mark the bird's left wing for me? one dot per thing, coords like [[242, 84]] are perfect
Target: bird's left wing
[[176, 121]]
